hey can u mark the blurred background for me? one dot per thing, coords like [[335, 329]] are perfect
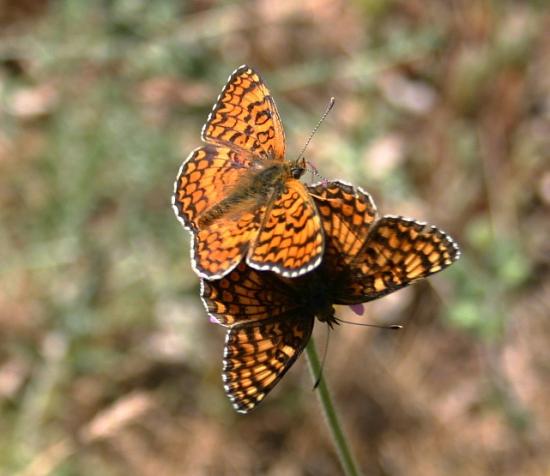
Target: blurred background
[[108, 363]]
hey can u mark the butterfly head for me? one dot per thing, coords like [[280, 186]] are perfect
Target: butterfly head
[[298, 167], [326, 314]]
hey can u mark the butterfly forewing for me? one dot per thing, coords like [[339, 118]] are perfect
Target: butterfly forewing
[[346, 215], [258, 354], [398, 252], [206, 178], [245, 116]]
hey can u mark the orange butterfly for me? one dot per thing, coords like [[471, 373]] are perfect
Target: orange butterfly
[[237, 194], [270, 318]]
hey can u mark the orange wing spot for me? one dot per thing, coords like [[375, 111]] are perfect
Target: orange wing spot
[[394, 241]]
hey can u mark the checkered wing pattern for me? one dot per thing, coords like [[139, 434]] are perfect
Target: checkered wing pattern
[[397, 252], [246, 117], [347, 214], [221, 246], [247, 295], [258, 354], [290, 241], [209, 174], [237, 194], [268, 329]]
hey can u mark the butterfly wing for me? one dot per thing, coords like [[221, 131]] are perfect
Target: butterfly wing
[[268, 329], [217, 249], [258, 354], [290, 241], [245, 117], [208, 175], [243, 128], [397, 252], [346, 212], [248, 295]]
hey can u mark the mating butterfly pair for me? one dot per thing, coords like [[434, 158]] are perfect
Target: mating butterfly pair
[[273, 253]]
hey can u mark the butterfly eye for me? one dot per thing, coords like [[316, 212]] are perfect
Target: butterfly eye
[[297, 173], [298, 168]]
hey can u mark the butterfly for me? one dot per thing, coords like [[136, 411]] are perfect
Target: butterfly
[[238, 195], [270, 318]]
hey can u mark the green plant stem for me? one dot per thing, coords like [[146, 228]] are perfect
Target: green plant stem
[[342, 447]]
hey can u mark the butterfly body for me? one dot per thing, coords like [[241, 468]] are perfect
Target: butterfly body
[[265, 182], [270, 318], [238, 195], [314, 293]]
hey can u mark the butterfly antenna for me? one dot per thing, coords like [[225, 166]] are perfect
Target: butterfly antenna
[[323, 360], [393, 327], [327, 110], [316, 173]]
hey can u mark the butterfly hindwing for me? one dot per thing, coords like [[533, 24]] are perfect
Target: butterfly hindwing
[[248, 295], [258, 354], [217, 249], [290, 241]]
